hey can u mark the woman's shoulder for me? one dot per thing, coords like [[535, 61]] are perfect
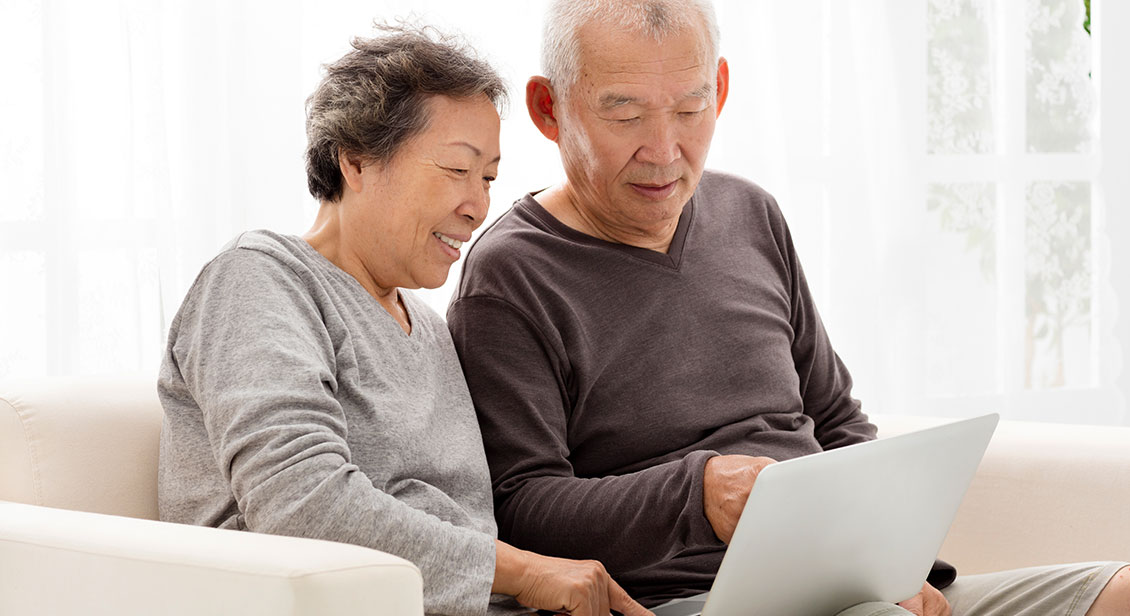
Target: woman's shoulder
[[261, 267], [285, 249], [263, 252]]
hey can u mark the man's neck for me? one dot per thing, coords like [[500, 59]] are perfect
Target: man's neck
[[563, 205]]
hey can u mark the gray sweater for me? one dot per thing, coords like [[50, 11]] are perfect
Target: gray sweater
[[296, 405]]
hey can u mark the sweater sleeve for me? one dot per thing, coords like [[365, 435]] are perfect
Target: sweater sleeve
[[825, 383], [255, 355], [518, 379]]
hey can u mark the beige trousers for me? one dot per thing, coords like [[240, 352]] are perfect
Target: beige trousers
[[1058, 590]]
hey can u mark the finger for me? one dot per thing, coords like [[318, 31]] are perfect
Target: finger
[[937, 603], [584, 608], [622, 602], [913, 605], [602, 593]]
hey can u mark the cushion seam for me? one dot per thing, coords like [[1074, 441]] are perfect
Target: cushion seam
[[33, 453], [137, 559]]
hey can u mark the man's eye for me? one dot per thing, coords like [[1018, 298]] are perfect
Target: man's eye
[[458, 171], [691, 114], [625, 120]]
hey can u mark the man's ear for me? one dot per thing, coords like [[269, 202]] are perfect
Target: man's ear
[[351, 170], [540, 100], [723, 84]]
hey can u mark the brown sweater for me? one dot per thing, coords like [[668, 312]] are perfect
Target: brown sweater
[[604, 376]]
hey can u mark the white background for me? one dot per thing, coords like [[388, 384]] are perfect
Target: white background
[[137, 137]]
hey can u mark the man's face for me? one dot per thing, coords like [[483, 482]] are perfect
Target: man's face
[[636, 126]]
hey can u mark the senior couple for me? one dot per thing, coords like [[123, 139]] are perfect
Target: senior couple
[[632, 346]]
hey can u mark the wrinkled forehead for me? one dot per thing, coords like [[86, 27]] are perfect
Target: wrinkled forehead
[[618, 66], [601, 42]]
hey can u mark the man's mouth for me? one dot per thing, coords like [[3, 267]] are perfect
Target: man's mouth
[[657, 192]]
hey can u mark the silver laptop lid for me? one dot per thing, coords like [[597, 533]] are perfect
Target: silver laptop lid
[[862, 523]]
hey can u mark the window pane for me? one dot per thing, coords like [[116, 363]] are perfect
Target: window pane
[[959, 78], [119, 316], [961, 298], [23, 314], [1060, 92], [1058, 285], [21, 112], [88, 94]]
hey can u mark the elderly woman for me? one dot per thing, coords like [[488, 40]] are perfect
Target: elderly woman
[[307, 394]]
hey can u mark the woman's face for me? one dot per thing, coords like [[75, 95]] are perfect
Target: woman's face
[[419, 207]]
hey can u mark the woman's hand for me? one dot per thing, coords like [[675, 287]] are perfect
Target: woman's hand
[[576, 587]]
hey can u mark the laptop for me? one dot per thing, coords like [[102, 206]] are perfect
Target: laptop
[[826, 531]]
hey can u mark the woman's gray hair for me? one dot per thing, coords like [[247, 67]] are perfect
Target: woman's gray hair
[[372, 100], [560, 51]]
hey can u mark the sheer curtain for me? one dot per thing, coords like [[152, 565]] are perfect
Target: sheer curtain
[[954, 173]]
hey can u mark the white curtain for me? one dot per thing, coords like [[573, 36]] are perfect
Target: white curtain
[[955, 173]]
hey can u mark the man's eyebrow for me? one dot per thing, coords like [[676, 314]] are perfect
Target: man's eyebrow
[[613, 100], [703, 91], [477, 151]]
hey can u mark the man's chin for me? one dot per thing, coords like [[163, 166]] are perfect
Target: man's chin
[[650, 213]]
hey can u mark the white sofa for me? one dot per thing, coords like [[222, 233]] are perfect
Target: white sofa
[[78, 504], [78, 472]]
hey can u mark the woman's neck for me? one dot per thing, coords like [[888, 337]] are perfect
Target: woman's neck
[[327, 236]]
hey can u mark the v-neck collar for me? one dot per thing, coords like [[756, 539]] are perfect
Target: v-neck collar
[[671, 259], [404, 298]]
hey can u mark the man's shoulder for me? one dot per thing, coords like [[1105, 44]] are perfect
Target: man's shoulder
[[510, 244], [520, 260]]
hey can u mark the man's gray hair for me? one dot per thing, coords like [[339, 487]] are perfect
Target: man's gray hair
[[560, 51], [372, 100]]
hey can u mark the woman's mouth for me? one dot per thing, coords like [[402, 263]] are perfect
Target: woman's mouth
[[449, 245]]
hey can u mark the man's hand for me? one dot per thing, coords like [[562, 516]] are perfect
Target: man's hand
[[928, 602], [576, 587], [726, 482]]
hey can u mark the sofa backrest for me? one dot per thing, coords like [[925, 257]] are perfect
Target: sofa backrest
[[87, 444]]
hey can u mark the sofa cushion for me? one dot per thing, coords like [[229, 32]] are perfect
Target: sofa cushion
[[84, 443]]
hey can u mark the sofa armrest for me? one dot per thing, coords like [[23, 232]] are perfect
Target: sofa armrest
[[1044, 494], [60, 562]]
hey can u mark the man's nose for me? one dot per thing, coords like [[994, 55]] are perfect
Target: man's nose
[[661, 143]]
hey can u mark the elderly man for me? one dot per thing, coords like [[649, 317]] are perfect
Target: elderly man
[[640, 341]]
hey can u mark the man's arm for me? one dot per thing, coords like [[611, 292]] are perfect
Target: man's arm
[[519, 377], [825, 383]]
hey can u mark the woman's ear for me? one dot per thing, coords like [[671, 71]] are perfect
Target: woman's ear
[[351, 170], [540, 101]]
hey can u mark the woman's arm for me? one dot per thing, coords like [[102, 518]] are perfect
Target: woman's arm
[[251, 349], [253, 353]]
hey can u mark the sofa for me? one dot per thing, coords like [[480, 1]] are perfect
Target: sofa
[[78, 529], [78, 509]]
